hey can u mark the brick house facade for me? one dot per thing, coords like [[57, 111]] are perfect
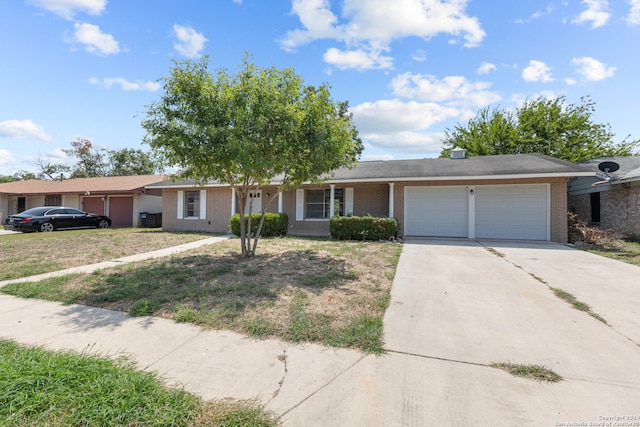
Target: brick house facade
[[382, 188]]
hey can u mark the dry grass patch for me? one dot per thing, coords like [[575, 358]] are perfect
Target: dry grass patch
[[23, 255], [299, 290]]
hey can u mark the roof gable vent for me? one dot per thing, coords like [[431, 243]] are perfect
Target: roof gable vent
[[458, 153]]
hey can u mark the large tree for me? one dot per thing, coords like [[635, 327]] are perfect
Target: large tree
[[91, 162], [129, 161], [546, 126], [249, 129]]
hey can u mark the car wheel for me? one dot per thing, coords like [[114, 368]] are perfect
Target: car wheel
[[46, 227], [103, 223]]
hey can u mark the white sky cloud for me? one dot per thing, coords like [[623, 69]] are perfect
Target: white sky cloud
[[57, 154], [6, 158], [94, 40], [548, 11], [359, 59], [537, 71], [124, 84], [451, 90], [486, 68], [370, 26], [68, 8], [23, 129], [633, 17], [389, 116], [591, 69], [596, 12], [189, 42], [427, 144]]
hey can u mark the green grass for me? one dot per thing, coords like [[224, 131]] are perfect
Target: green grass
[[45, 388], [620, 250], [532, 372]]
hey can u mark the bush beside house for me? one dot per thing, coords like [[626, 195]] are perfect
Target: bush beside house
[[275, 224], [363, 228]]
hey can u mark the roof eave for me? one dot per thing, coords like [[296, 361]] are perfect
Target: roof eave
[[405, 179]]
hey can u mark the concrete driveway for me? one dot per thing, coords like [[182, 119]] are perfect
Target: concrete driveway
[[457, 306]]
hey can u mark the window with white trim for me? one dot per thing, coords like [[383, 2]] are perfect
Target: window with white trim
[[318, 203], [192, 204]]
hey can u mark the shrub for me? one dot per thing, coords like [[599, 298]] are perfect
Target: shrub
[[275, 224], [363, 228]]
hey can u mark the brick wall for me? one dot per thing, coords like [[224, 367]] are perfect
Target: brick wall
[[619, 209], [218, 211], [580, 204]]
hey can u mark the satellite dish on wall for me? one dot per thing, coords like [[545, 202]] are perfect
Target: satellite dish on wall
[[607, 167]]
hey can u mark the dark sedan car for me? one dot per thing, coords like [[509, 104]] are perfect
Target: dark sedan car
[[50, 218]]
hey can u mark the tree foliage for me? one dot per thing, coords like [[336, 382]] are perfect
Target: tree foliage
[[95, 162], [546, 126], [21, 175], [246, 129], [91, 162], [50, 171], [128, 161]]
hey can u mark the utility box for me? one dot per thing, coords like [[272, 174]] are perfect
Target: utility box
[[154, 219]]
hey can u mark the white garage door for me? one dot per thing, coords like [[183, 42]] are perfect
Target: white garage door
[[436, 211], [519, 212], [512, 212]]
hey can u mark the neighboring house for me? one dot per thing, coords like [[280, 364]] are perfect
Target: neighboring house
[[520, 196], [610, 200], [122, 198]]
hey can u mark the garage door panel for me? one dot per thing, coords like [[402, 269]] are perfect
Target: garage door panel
[[512, 212], [437, 211], [121, 211], [93, 205]]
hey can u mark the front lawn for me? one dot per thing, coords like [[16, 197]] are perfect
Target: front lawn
[[28, 254], [45, 388], [295, 289], [620, 250]]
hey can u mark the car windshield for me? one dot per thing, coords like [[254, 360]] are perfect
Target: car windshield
[[35, 211]]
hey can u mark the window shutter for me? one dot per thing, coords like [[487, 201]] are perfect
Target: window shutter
[[300, 204], [180, 204], [348, 201], [203, 204]]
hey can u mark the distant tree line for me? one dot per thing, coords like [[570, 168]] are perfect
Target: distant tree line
[[91, 162]]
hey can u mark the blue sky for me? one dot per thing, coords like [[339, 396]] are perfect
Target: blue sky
[[409, 68]]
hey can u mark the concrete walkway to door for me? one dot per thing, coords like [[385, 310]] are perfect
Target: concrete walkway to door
[[457, 306]]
